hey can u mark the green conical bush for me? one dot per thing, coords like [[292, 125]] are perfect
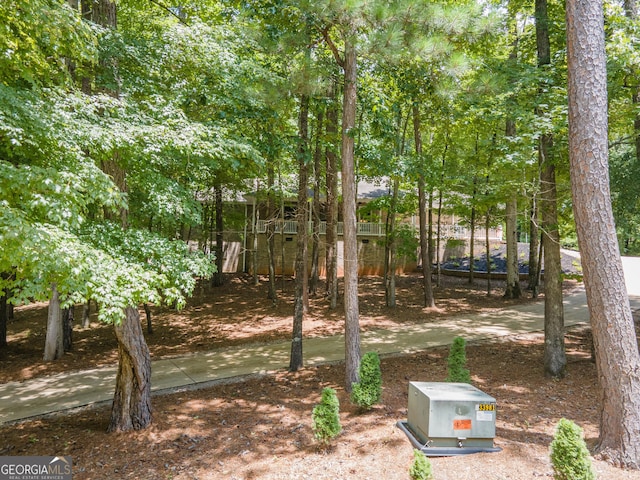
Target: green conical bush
[[457, 362], [368, 391], [326, 416], [421, 467], [569, 454]]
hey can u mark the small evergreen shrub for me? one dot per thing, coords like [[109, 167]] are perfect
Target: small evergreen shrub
[[421, 467], [457, 361], [326, 416], [569, 454], [368, 390]]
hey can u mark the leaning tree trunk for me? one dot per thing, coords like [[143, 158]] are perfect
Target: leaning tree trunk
[[53, 344], [351, 308], [617, 359], [296, 359], [425, 237], [131, 409], [555, 360]]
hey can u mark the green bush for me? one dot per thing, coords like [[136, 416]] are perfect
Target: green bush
[[326, 416], [457, 361], [421, 467], [569, 454], [368, 391]]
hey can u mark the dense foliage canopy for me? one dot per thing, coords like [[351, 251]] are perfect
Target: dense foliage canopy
[[184, 99]]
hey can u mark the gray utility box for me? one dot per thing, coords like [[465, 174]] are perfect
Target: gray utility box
[[451, 416]]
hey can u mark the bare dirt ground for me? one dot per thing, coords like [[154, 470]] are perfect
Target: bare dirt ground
[[260, 427]]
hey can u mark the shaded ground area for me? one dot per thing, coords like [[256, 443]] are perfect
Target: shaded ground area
[[260, 428], [497, 255], [236, 313]]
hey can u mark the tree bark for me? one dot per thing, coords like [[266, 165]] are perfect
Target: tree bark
[[4, 317], [271, 247], [67, 328], [425, 243], [217, 280], [555, 360], [631, 11], [314, 278], [86, 312], [616, 347], [392, 247], [296, 359], [131, 409], [534, 247], [487, 246], [352, 321], [53, 344], [331, 258], [147, 313], [513, 274]]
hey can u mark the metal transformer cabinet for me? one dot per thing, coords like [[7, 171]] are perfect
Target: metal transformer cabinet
[[450, 418]]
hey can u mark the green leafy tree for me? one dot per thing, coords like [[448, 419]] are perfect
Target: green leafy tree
[[569, 455]]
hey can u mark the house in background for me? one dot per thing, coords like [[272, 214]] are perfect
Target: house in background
[[245, 238]]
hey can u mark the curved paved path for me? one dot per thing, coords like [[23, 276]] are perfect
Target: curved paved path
[[20, 400]]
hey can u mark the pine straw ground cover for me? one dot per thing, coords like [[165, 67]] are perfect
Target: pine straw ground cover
[[260, 427]]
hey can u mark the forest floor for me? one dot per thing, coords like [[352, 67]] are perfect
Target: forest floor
[[260, 427]]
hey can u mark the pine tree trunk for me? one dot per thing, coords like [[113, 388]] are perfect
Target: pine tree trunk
[[472, 238], [534, 247], [392, 246], [351, 308], [131, 409], [296, 359], [425, 237], [331, 254], [555, 360], [487, 246], [513, 274], [315, 244], [617, 359], [54, 346], [271, 247], [218, 277]]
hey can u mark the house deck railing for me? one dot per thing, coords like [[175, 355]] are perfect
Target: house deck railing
[[290, 227]]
